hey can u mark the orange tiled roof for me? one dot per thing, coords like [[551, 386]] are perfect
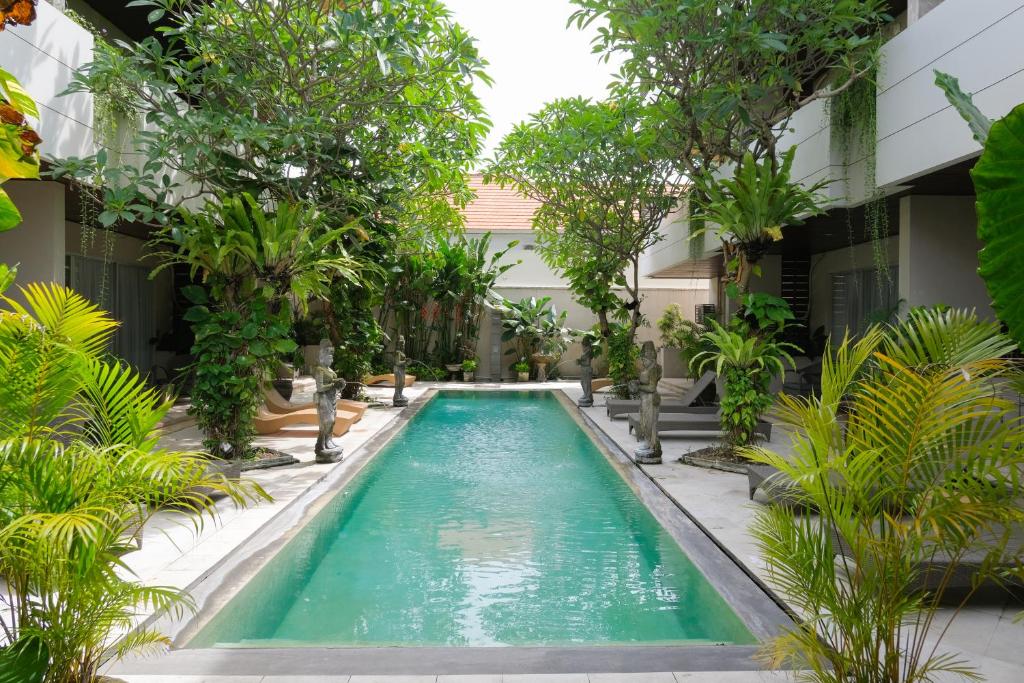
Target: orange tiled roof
[[497, 209]]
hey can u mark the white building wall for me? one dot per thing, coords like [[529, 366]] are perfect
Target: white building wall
[[938, 248], [37, 245], [43, 57]]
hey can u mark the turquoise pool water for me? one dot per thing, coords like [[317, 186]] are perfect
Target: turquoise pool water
[[490, 519]]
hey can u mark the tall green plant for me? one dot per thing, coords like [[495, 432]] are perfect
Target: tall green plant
[[998, 185], [748, 363], [80, 472], [254, 265], [911, 459]]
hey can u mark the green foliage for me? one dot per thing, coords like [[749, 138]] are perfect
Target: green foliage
[[980, 124], [725, 77], [435, 294], [747, 362], [604, 188], [750, 209], [18, 141], [25, 661], [80, 472], [390, 132], [253, 264], [623, 356], [521, 366], [853, 115], [534, 327], [766, 314], [999, 184], [681, 333], [469, 365], [909, 456]]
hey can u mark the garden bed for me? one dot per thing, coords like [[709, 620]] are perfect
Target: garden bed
[[716, 458]]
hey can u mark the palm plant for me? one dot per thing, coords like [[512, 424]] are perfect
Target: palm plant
[[80, 472], [750, 210], [925, 465], [747, 363]]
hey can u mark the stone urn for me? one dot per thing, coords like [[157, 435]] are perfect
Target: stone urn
[[523, 376], [468, 375], [454, 369], [542, 361]]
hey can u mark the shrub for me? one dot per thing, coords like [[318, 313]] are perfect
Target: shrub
[[80, 472], [623, 354], [908, 455], [747, 363]]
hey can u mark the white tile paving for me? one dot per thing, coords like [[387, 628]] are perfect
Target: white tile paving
[[174, 555]]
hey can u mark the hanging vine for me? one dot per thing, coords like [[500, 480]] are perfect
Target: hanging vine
[[854, 117], [113, 107]]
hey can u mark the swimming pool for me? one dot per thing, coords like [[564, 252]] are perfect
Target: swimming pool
[[491, 519]]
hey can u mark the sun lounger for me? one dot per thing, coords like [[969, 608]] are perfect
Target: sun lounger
[[387, 380], [937, 568], [694, 420], [267, 422], [276, 404], [601, 384], [617, 407]]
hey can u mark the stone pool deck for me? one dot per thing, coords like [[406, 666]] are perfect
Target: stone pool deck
[[177, 556]]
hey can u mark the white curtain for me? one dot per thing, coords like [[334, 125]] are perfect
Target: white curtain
[[129, 298]]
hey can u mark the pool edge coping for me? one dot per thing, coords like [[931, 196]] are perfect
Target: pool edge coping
[[211, 594]]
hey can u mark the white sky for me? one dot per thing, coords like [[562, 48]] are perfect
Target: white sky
[[534, 58]]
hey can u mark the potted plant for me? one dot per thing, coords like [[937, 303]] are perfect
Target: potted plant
[[468, 368], [522, 370]]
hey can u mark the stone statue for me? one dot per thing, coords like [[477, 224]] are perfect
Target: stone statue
[[586, 373], [400, 401], [328, 384], [648, 452]]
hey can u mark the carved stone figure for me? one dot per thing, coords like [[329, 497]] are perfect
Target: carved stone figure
[[328, 384], [399, 400], [587, 373], [648, 452]]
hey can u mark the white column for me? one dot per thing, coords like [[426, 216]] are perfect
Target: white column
[[38, 244], [938, 248]]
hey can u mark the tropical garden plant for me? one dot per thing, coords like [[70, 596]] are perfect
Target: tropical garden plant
[[623, 357], [604, 189], [255, 267], [912, 459], [748, 212], [998, 185], [724, 77], [681, 333], [747, 363], [435, 295], [81, 471], [533, 326], [18, 142]]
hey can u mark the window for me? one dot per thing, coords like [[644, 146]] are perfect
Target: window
[[862, 297]]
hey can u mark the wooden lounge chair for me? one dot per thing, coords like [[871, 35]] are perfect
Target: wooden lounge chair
[[601, 384], [695, 419], [276, 404], [617, 407], [387, 380], [267, 422]]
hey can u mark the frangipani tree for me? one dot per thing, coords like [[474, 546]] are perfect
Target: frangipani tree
[[724, 76], [604, 188]]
